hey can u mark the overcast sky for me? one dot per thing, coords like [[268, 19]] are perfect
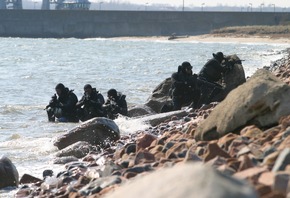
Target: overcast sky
[[255, 3]]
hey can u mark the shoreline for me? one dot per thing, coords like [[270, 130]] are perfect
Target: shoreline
[[214, 38]]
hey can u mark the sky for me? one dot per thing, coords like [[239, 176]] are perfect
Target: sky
[[197, 3]]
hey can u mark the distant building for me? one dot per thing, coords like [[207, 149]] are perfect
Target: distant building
[[72, 4], [11, 4], [66, 4]]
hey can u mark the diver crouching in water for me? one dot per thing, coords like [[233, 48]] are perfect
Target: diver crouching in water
[[116, 104], [62, 106]]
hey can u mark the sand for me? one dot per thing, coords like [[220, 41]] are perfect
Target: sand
[[214, 38]]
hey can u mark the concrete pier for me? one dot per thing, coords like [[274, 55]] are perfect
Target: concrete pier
[[87, 24]]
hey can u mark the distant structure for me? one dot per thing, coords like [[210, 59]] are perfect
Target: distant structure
[[11, 4], [66, 4]]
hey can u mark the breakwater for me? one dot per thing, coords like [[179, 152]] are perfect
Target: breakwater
[[86, 24]]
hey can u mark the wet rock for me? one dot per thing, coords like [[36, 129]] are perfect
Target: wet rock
[[26, 179], [78, 150], [156, 119], [47, 173], [140, 110], [8, 173], [64, 160], [160, 96], [95, 131]]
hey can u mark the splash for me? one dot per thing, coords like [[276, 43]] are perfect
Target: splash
[[130, 125]]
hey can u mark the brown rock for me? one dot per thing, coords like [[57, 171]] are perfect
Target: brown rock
[[251, 174], [156, 149], [144, 157], [177, 147], [263, 190], [270, 159], [251, 132], [217, 162], [246, 163], [145, 141], [129, 175], [226, 140], [26, 179], [236, 146], [214, 150], [266, 178], [285, 143]]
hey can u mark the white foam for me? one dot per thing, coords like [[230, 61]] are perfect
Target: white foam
[[130, 125]]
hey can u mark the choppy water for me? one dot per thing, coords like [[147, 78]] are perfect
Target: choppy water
[[30, 69]]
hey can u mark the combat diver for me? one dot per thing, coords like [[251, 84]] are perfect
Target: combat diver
[[62, 106], [115, 104], [90, 105], [184, 89], [210, 77], [213, 70]]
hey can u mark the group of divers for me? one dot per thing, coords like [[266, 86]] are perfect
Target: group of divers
[[64, 105]]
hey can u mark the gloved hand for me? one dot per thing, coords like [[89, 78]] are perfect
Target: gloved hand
[[59, 105]]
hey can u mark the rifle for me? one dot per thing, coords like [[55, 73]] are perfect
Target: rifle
[[52, 102]]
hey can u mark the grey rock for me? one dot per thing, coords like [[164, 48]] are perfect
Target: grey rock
[[78, 150], [96, 131], [140, 110], [156, 119], [64, 160], [99, 184], [160, 96], [282, 161], [192, 180], [261, 101], [8, 173]]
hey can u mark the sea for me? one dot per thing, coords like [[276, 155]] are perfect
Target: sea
[[31, 68]]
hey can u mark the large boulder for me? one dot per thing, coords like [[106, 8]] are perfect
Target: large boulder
[[8, 173], [261, 101], [185, 180], [140, 110], [235, 77], [96, 131], [160, 96]]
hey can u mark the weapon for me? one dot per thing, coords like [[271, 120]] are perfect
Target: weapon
[[87, 99], [111, 108], [52, 102]]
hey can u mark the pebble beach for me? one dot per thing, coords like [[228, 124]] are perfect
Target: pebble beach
[[166, 160]]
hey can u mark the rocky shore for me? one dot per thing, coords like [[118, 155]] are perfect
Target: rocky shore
[[239, 147]]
